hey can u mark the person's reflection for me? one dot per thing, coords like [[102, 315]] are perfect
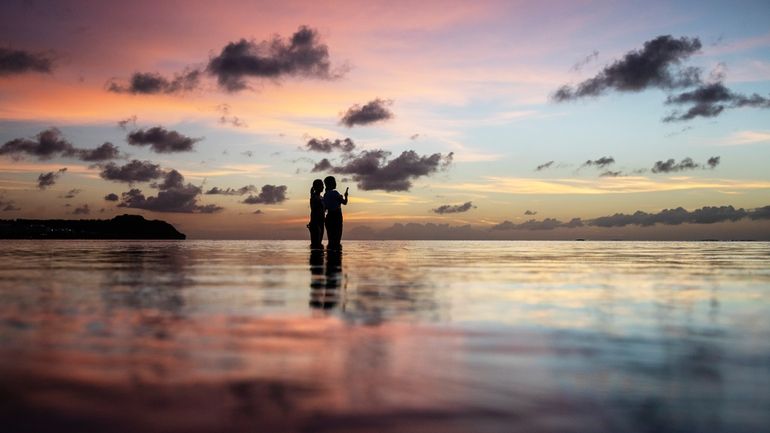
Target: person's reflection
[[325, 283]]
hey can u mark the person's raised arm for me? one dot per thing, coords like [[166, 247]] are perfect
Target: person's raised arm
[[345, 198]]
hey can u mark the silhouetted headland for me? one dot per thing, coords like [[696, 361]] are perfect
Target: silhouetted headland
[[120, 227]]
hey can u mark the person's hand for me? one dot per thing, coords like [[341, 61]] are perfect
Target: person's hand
[[346, 191]]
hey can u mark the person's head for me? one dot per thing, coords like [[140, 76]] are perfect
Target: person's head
[[330, 182], [318, 186]]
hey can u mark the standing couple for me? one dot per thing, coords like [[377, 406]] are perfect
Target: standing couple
[[330, 204]]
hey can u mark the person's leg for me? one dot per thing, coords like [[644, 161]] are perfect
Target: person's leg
[[329, 231], [333, 229]]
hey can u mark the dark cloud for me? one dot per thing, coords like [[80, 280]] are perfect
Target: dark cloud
[[325, 145], [303, 55], [50, 143], [448, 208], [14, 62], [47, 144], [600, 163], [82, 210], [44, 180], [544, 166], [704, 215], [710, 100], [762, 213], [123, 124], [131, 172], [372, 170], [162, 140], [232, 191], [171, 179], [270, 194], [105, 152], [414, 136], [610, 173], [530, 212], [546, 224], [173, 196], [111, 197], [71, 193], [322, 165], [371, 112], [651, 67], [150, 83], [258, 212], [671, 166]]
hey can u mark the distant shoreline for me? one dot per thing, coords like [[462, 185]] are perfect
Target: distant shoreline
[[120, 228]]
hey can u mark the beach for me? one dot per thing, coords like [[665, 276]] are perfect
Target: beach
[[188, 336]]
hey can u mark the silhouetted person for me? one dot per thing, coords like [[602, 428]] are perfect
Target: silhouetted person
[[333, 201], [316, 224]]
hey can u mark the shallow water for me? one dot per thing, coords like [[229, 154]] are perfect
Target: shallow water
[[198, 336]]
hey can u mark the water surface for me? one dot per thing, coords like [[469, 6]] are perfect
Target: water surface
[[199, 336]]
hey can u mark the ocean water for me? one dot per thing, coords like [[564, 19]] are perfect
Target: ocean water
[[204, 336]]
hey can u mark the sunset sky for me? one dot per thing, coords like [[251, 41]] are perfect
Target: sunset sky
[[456, 114]]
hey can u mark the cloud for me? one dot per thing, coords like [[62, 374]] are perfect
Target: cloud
[[82, 210], [123, 124], [704, 215], [599, 163], [47, 144], [650, 67], [748, 137], [372, 170], [584, 61], [44, 180], [710, 100], [530, 212], [546, 224], [322, 165], [226, 118], [71, 193], [327, 146], [173, 196], [270, 194], [610, 173], [231, 191], [105, 152], [448, 208], [161, 140], [13, 62], [111, 197], [371, 112], [8, 205], [762, 213], [671, 166], [133, 171], [150, 83], [544, 166], [302, 55], [50, 143]]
